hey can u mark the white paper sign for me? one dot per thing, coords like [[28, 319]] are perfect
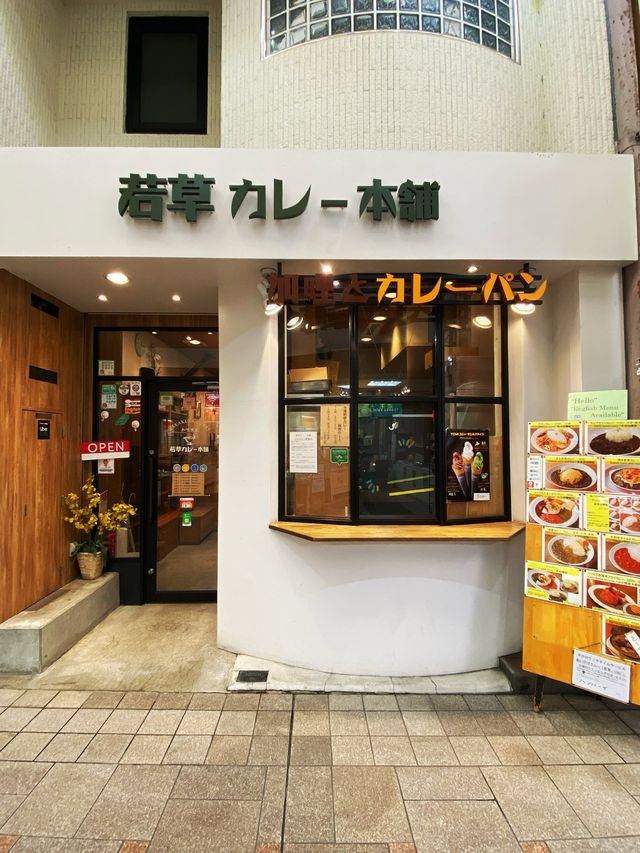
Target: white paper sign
[[634, 640], [303, 452], [106, 367], [107, 466], [534, 472], [601, 675]]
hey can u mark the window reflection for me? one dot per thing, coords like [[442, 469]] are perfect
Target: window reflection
[[317, 351], [192, 352], [472, 353]]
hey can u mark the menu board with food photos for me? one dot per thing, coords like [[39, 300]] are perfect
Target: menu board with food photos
[[571, 473], [559, 509], [620, 475], [553, 583], [577, 548], [621, 554], [554, 437], [621, 638], [612, 593], [612, 438]]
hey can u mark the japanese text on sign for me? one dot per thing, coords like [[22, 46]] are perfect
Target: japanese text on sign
[[600, 675]]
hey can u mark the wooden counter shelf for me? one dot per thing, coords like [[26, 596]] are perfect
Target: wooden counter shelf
[[490, 532]]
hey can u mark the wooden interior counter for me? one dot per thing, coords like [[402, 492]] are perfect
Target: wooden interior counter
[[492, 531]]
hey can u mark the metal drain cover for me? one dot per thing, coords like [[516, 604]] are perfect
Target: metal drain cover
[[253, 675]]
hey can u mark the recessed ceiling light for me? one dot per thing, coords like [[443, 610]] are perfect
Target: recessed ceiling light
[[270, 309], [194, 342], [209, 333], [482, 322], [473, 268], [327, 269], [449, 282], [176, 297], [523, 308], [103, 298], [336, 283], [379, 318], [366, 339], [295, 322], [154, 333], [116, 277], [391, 295], [455, 326], [188, 337]]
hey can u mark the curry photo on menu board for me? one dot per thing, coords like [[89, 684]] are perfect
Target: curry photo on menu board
[[621, 554], [621, 638], [558, 509], [553, 583], [554, 437], [612, 438], [612, 593], [572, 473], [570, 547], [467, 455], [621, 475]]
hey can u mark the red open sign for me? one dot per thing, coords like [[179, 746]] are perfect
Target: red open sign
[[105, 450]]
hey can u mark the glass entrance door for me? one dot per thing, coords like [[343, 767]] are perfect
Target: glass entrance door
[[182, 504]]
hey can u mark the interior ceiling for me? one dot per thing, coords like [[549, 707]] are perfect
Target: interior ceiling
[[153, 281]]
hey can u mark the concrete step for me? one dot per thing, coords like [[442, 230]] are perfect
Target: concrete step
[[522, 681], [33, 639]]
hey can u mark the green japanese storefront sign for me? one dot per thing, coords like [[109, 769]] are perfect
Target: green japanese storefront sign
[[339, 455]]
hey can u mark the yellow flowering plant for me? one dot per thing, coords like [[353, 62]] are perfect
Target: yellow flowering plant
[[87, 518]]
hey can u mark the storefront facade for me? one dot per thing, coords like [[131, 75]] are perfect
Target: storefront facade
[[377, 607]]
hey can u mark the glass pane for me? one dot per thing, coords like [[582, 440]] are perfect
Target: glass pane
[[409, 22], [363, 22], [503, 11], [188, 444], [452, 8], [472, 34], [452, 28], [318, 10], [430, 5], [169, 90], [386, 5], [340, 7], [120, 418], [317, 473], [474, 460], [472, 351], [362, 5], [504, 48], [489, 22], [277, 6], [320, 30], [387, 22], [471, 15], [489, 5], [396, 350], [317, 354], [298, 16], [192, 352], [397, 461], [278, 24], [340, 25], [409, 5], [431, 24], [489, 40]]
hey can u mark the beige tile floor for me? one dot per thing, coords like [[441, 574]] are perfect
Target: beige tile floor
[[84, 771]]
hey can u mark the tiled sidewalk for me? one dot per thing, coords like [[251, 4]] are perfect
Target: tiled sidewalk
[[103, 772]]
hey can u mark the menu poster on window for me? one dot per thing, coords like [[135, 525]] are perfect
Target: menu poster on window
[[559, 509], [187, 485], [556, 584], [108, 397], [576, 548], [106, 367], [334, 425], [303, 452], [556, 437], [621, 638], [467, 458], [612, 593]]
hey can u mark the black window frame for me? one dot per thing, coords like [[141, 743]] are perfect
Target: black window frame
[[439, 400], [138, 26]]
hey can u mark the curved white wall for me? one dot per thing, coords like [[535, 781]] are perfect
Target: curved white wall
[[422, 92]]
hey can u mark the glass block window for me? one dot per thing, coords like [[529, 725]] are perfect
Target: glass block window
[[486, 22]]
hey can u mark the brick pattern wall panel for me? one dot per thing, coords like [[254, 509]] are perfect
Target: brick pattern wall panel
[[29, 52], [416, 91], [91, 103]]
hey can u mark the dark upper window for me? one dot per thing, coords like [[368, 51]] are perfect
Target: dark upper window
[[167, 75]]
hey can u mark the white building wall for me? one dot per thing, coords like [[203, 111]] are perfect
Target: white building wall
[[29, 51], [425, 92]]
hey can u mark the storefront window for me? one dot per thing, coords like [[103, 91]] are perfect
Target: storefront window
[[411, 424], [189, 353]]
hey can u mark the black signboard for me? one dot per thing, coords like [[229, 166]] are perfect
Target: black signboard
[[44, 429]]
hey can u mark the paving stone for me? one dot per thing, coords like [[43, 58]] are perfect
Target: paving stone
[[534, 847], [347, 848], [422, 723], [134, 847], [583, 702], [380, 702], [157, 722], [570, 722], [146, 749], [459, 723], [593, 750], [392, 751], [496, 723], [60, 802], [309, 805], [269, 749], [87, 720], [276, 702], [172, 701], [65, 747], [311, 751], [481, 702], [7, 842], [600, 800], [597, 845], [311, 702], [220, 783], [207, 826], [123, 722], [414, 702], [514, 750], [628, 775], [103, 699], [351, 751], [273, 723], [15, 719], [631, 719], [236, 723], [130, 804], [385, 723], [25, 746], [531, 723], [460, 827], [8, 696], [554, 702], [433, 751], [348, 723], [242, 702], [554, 749], [69, 699], [627, 746], [187, 749], [8, 804], [207, 702], [314, 723], [64, 845], [515, 702], [137, 701], [272, 812], [532, 804], [474, 750], [443, 783], [345, 702], [34, 698], [50, 720], [5, 737], [449, 702], [198, 723], [229, 749], [105, 749], [605, 722], [369, 806], [19, 779]]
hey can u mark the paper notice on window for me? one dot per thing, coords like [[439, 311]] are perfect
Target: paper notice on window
[[535, 477], [601, 675], [303, 452], [334, 425]]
